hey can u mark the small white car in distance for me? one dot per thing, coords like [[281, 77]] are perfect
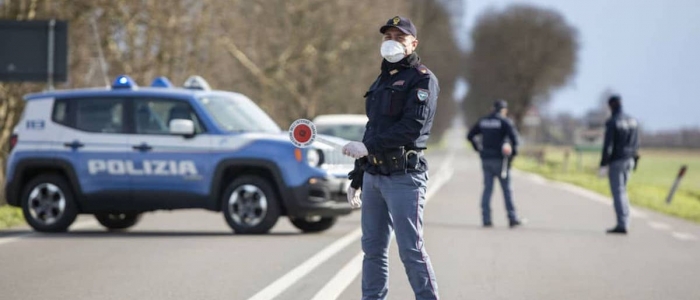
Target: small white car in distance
[[347, 126]]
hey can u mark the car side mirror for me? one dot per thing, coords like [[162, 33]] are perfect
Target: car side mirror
[[182, 127]]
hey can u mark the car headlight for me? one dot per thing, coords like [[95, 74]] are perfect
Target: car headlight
[[314, 157]]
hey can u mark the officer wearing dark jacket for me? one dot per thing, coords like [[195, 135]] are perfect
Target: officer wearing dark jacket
[[495, 131], [390, 169], [618, 159]]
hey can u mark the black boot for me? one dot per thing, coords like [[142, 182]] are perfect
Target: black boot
[[516, 223], [617, 230]]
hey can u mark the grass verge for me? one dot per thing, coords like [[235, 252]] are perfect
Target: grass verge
[[10, 216], [648, 186]]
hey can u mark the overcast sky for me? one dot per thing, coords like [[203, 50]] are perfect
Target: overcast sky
[[647, 50]]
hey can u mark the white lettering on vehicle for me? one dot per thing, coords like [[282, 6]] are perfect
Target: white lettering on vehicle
[[160, 167], [116, 167], [143, 168], [96, 166]]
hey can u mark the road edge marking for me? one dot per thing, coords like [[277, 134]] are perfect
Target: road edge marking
[[684, 236], [585, 193], [659, 225]]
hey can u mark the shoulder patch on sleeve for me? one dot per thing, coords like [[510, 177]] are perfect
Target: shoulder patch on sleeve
[[423, 69], [422, 94]]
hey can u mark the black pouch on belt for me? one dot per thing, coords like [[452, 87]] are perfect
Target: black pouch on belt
[[396, 160], [412, 159]]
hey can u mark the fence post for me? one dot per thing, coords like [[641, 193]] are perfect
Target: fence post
[[579, 160], [681, 172]]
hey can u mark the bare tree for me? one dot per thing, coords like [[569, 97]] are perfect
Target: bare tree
[[520, 54], [293, 58], [439, 51]]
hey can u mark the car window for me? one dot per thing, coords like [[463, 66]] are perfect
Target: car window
[[60, 112], [238, 114], [100, 115], [153, 116]]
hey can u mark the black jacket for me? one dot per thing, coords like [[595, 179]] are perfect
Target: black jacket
[[621, 138], [494, 129], [400, 106]]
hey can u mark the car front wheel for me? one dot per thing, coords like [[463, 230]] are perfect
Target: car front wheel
[[250, 205]]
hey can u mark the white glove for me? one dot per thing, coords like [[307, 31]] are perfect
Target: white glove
[[354, 197], [355, 150], [603, 171]]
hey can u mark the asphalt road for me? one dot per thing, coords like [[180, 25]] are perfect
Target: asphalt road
[[562, 253]]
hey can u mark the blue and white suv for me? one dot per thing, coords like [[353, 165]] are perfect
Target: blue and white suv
[[121, 151]]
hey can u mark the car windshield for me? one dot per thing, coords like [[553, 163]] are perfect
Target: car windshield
[[353, 132], [236, 113]]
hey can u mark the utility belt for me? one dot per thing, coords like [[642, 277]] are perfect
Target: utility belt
[[395, 161]]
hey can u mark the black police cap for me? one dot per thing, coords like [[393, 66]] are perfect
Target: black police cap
[[499, 104], [615, 100], [401, 23]]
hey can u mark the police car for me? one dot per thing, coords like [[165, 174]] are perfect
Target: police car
[[125, 150]]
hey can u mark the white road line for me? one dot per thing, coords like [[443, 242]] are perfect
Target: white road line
[[280, 285], [77, 225], [638, 213], [659, 225], [344, 278], [683, 236], [588, 194], [605, 200]]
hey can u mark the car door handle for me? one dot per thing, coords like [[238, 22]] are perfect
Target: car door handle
[[143, 147], [74, 145]]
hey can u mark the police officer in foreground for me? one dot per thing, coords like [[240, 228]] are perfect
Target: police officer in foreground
[[390, 170], [496, 154], [619, 158]]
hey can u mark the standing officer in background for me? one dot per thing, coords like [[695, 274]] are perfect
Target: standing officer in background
[[494, 129], [390, 169], [619, 158]]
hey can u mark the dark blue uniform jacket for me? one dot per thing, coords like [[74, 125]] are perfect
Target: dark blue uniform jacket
[[400, 106], [494, 129], [621, 138]]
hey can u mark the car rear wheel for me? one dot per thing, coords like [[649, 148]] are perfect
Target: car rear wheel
[[118, 221], [250, 205], [313, 224], [48, 204]]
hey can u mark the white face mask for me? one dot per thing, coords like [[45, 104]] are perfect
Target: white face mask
[[393, 51]]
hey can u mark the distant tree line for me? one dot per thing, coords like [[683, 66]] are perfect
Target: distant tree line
[[681, 138], [561, 129]]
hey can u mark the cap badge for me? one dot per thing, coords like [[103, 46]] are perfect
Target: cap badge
[[396, 21]]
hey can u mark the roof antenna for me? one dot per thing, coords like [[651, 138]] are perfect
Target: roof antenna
[[103, 63]]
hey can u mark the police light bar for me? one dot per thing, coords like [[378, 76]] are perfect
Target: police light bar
[[196, 82], [162, 82], [124, 82]]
